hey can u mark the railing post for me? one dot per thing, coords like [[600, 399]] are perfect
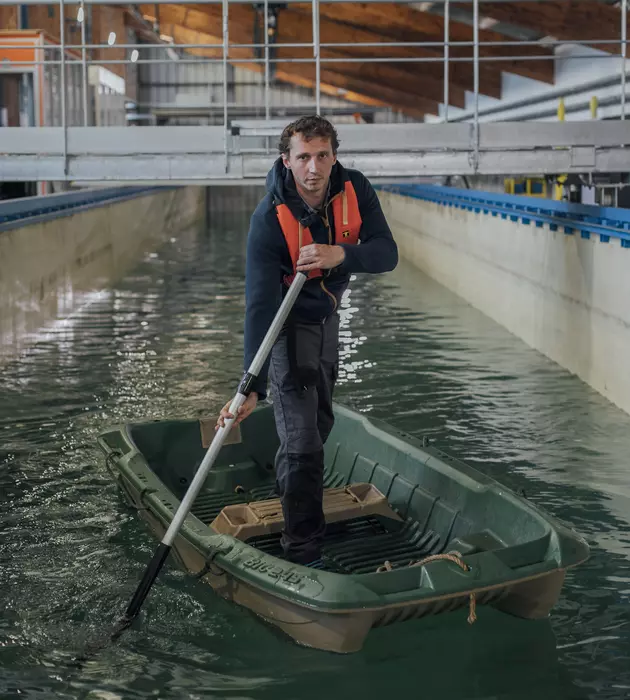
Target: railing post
[[84, 82], [316, 52], [267, 96], [624, 32], [226, 39], [446, 51], [476, 80], [62, 37]]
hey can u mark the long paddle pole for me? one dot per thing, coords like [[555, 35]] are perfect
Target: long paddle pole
[[244, 389]]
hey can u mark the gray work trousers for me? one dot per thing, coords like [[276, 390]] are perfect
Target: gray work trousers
[[302, 372]]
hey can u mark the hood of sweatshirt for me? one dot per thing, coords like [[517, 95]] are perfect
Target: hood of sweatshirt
[[281, 185]]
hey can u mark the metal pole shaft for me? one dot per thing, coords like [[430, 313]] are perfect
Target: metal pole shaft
[[84, 82], [316, 52], [476, 78], [446, 50], [62, 37], [267, 96], [624, 32], [225, 81]]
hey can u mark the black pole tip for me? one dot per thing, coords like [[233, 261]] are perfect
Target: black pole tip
[[151, 573]]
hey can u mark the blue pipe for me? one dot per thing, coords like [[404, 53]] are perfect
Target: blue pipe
[[586, 219], [28, 210]]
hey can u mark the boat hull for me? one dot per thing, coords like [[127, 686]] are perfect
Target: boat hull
[[334, 610]]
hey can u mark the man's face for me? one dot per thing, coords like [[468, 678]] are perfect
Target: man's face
[[310, 162]]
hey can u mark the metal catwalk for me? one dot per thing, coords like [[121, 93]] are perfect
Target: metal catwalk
[[71, 148]]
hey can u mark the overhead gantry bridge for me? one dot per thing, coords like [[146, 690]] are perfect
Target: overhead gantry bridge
[[438, 66]]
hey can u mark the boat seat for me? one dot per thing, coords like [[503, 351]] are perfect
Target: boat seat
[[246, 520]]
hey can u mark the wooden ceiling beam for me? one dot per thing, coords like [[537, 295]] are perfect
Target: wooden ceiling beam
[[384, 78], [461, 74], [414, 111], [328, 89], [423, 80], [581, 20], [241, 23], [409, 104], [400, 22]]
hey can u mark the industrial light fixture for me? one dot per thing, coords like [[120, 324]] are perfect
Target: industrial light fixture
[[111, 39], [80, 15], [134, 55], [422, 6], [487, 22]]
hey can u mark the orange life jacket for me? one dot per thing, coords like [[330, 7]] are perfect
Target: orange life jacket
[[347, 225]]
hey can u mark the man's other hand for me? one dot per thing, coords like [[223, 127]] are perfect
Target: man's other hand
[[317, 256]]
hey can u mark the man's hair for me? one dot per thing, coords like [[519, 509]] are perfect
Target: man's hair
[[309, 127]]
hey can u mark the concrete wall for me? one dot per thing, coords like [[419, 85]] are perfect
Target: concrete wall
[[564, 295], [47, 268]]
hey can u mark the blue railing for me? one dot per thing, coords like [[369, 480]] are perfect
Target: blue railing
[[585, 219], [28, 210]]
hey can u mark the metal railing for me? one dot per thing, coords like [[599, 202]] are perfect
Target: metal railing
[[447, 59], [316, 46]]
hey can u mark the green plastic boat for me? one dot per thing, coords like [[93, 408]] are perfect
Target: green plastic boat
[[411, 531]]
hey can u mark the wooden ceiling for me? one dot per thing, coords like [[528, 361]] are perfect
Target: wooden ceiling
[[415, 88]]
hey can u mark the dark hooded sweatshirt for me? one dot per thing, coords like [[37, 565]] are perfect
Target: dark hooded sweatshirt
[[268, 259]]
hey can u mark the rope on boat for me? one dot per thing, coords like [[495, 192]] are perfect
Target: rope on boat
[[112, 457], [386, 566], [456, 558]]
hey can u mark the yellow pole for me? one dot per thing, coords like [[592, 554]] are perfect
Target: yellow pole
[[594, 104], [558, 189], [561, 110]]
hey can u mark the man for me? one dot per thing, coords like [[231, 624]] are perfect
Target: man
[[312, 219]]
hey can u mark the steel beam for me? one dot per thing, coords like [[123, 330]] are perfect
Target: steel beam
[[520, 135], [243, 169], [197, 153]]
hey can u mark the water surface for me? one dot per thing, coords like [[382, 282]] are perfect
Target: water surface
[[166, 341]]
